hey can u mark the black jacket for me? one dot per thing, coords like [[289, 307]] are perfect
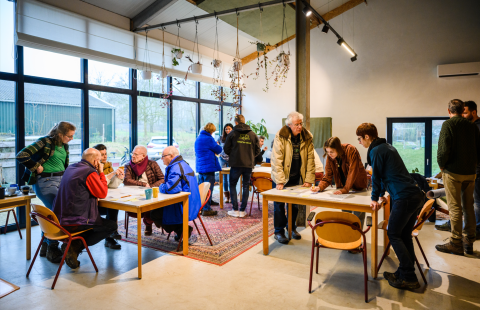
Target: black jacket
[[259, 157], [242, 146]]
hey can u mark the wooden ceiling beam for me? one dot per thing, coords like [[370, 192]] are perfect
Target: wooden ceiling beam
[[195, 2], [315, 23]]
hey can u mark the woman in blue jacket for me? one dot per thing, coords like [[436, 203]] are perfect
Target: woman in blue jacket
[[206, 161]]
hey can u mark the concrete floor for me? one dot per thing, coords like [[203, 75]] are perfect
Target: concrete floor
[[250, 281]]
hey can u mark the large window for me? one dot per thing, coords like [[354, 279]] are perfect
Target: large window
[[209, 91], [184, 88], [7, 45], [51, 65], [184, 132], [7, 132], [154, 85], [152, 126], [100, 73], [210, 113], [229, 115]]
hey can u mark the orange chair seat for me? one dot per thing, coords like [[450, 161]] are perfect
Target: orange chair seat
[[60, 235], [352, 245]]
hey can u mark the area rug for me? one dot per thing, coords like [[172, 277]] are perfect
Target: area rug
[[230, 236], [7, 288]]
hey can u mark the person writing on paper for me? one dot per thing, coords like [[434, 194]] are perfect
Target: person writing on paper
[[141, 171], [76, 204], [114, 179], [344, 165], [293, 163], [391, 175], [179, 177]]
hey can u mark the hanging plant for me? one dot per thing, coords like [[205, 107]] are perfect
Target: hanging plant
[[146, 67], [195, 67], [280, 71], [163, 74], [177, 50], [236, 76], [217, 68], [262, 48]]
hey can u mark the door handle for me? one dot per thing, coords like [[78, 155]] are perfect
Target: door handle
[[427, 161]]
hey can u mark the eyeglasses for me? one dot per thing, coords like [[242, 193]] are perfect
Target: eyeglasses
[[70, 137], [298, 125], [166, 155], [135, 154]]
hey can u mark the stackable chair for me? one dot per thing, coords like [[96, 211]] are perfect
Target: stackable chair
[[340, 231], [14, 216], [261, 182], [266, 165], [205, 193], [52, 230], [427, 211]]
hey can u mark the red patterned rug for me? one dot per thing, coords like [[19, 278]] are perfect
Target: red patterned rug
[[230, 236]]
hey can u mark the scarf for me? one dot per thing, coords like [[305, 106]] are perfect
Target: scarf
[[374, 144], [139, 168]]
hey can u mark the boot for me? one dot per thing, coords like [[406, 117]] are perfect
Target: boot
[[43, 249], [450, 247], [75, 249], [148, 229], [54, 254], [227, 197]]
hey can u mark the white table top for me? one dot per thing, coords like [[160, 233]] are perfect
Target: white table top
[[255, 169], [135, 196]]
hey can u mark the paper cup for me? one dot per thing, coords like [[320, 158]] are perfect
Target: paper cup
[[148, 193], [156, 190]]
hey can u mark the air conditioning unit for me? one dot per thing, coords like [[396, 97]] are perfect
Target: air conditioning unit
[[469, 68]]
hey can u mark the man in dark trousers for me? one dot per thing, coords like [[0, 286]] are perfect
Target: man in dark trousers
[[458, 154], [242, 146]]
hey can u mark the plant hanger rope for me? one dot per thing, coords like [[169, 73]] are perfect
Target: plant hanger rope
[[284, 27], [177, 42], [146, 56], [195, 42]]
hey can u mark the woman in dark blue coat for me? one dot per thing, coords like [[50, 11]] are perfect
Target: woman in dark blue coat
[[206, 161]]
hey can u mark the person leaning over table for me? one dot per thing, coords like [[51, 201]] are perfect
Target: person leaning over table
[[293, 163], [141, 171], [207, 164], [114, 179], [76, 205], [391, 175], [344, 165], [224, 160], [45, 161], [179, 177]]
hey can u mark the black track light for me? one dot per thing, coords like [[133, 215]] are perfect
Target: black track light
[[353, 58], [325, 29], [307, 11], [342, 42]]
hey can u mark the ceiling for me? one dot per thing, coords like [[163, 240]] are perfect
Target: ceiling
[[249, 22]]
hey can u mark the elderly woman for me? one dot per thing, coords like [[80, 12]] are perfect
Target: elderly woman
[[224, 160], [141, 171], [206, 161]]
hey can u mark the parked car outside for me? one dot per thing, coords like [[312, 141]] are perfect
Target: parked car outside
[[156, 146]]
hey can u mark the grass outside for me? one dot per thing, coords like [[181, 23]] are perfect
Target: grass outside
[[414, 158]]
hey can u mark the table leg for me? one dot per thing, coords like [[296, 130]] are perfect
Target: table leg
[[29, 229], [265, 225], [241, 189], [185, 227], [289, 221], [386, 216], [220, 180], [374, 244], [139, 241]]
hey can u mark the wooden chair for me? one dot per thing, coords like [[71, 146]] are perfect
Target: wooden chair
[[427, 210], [205, 193], [340, 231], [261, 182], [52, 230], [16, 222], [266, 165]]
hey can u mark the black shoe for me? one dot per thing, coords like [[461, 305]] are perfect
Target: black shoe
[[112, 244], [444, 227], [75, 249], [116, 236], [450, 248], [209, 213], [214, 203], [296, 235], [190, 230], [390, 276], [54, 254], [43, 249], [356, 251], [404, 285], [280, 237]]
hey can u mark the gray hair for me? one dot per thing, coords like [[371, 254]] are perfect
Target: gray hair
[[141, 147], [292, 116]]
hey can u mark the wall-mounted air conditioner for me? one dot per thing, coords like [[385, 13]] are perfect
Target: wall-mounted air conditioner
[[468, 68]]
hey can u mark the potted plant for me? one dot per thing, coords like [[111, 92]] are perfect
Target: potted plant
[[195, 67], [146, 75], [259, 128], [177, 54], [216, 63], [283, 59], [237, 64]]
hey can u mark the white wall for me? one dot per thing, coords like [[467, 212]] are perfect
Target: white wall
[[399, 45]]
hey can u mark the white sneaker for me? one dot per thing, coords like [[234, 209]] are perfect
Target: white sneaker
[[234, 213], [242, 214]]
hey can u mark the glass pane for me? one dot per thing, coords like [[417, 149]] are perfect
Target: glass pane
[[109, 123], [154, 85], [436, 127], [7, 55], [184, 133], [7, 133], [409, 140], [100, 73], [210, 113], [228, 96], [152, 126], [184, 88], [51, 65], [209, 91], [229, 115]]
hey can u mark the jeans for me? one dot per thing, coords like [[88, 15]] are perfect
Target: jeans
[[207, 177], [403, 217], [224, 164], [157, 217], [46, 190], [235, 173], [361, 216], [460, 191], [476, 205], [280, 220], [97, 233], [111, 214]]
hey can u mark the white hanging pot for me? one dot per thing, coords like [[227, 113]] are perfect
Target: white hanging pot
[[163, 73], [216, 63], [146, 75], [237, 65], [178, 54], [283, 59], [197, 68]]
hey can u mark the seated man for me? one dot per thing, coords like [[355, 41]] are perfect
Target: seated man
[[179, 178], [114, 179], [259, 157], [76, 204], [141, 171]]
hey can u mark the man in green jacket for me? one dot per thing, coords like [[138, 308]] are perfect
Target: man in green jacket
[[458, 154]]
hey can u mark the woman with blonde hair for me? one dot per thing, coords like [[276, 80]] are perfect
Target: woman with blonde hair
[[45, 160]]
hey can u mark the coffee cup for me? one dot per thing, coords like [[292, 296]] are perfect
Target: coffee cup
[[25, 189], [155, 192], [148, 193], [2, 192], [14, 185]]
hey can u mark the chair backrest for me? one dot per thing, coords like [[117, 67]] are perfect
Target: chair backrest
[[266, 165], [262, 181], [203, 189], [337, 233], [48, 228], [425, 213]]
